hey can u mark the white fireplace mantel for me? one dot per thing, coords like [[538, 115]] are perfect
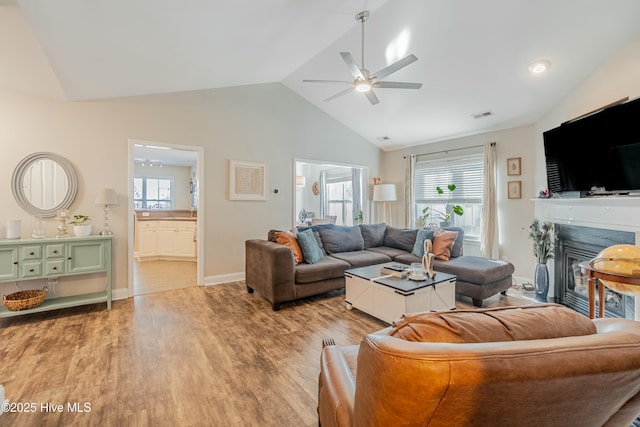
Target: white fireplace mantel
[[610, 213]]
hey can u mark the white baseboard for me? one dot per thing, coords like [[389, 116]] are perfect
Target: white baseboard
[[224, 278], [120, 293]]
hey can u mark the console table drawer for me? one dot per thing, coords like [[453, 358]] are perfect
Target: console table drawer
[[54, 251], [31, 269], [31, 252], [54, 268]]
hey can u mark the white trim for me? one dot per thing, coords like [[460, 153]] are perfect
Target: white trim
[[120, 293], [224, 278]]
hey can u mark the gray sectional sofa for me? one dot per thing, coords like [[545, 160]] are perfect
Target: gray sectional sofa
[[271, 271]]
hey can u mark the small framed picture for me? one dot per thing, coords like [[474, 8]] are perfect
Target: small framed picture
[[514, 189], [513, 166]]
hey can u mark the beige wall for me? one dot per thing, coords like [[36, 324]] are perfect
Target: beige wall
[[264, 123]]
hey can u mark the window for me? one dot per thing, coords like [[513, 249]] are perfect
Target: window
[[466, 173], [340, 200], [342, 194], [153, 193]]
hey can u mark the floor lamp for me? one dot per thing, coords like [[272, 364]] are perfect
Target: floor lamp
[[385, 193]]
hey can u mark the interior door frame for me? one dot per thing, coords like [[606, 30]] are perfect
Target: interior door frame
[[201, 206]]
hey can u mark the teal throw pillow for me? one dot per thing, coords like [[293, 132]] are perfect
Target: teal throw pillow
[[418, 247], [309, 246]]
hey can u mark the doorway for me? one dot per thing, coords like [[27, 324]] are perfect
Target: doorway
[[329, 192], [166, 189]]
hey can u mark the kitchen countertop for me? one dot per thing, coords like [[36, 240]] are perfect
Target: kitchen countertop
[[173, 215]]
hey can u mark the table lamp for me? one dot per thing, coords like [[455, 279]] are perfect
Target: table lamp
[[106, 197]]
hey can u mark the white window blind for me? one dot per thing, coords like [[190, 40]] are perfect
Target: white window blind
[[465, 172]]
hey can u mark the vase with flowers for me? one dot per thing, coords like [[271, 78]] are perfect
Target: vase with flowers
[[541, 234]]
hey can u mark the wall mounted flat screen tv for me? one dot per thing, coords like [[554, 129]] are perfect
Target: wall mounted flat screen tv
[[596, 155]]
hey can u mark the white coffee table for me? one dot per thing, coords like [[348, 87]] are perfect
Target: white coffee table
[[387, 298]]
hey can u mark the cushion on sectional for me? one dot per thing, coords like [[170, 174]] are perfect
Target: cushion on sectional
[[286, 238], [418, 247], [362, 258], [390, 252], [327, 268], [400, 238], [309, 247], [493, 325], [456, 250], [373, 234], [475, 269], [443, 243], [341, 239]]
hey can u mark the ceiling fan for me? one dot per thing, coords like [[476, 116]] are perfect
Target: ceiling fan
[[364, 81]]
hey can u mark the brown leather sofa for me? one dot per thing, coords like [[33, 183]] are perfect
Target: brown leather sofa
[[538, 365]]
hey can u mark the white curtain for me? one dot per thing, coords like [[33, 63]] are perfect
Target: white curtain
[[409, 203], [489, 235]]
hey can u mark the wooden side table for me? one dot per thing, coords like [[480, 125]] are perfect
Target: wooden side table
[[593, 274]]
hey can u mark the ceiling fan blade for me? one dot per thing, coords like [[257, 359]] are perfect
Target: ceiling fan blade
[[398, 85], [390, 69], [371, 96], [326, 81], [353, 68], [344, 92]]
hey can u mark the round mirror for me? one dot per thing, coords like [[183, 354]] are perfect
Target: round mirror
[[44, 183]]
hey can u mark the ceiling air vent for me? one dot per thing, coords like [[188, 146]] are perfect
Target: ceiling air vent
[[383, 138], [483, 114]]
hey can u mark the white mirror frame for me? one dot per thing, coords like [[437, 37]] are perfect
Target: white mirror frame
[[18, 177]]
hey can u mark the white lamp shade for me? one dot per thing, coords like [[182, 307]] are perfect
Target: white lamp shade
[[107, 196], [384, 193], [300, 181]]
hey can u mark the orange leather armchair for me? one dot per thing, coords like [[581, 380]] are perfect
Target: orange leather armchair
[[538, 365]]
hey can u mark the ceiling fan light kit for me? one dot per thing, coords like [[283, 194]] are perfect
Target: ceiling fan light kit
[[363, 81]]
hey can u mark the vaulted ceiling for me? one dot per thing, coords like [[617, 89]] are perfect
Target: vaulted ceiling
[[472, 55]]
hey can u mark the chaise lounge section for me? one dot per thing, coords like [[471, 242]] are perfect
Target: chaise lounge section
[[271, 269]]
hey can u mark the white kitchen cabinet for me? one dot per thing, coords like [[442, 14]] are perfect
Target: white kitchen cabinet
[[146, 237], [166, 239]]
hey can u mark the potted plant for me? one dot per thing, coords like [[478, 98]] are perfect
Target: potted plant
[[358, 219], [443, 217], [541, 234], [81, 225]]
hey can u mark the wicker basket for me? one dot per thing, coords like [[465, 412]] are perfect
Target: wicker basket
[[24, 300]]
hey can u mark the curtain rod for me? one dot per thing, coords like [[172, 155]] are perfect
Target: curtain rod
[[493, 144]]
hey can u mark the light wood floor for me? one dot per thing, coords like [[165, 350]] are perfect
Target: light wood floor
[[198, 356], [158, 276]]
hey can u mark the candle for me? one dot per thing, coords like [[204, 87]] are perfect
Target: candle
[[14, 229]]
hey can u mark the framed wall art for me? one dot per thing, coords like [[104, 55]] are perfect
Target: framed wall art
[[247, 181], [514, 166], [514, 189]]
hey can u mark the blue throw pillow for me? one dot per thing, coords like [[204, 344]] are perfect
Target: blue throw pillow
[[418, 247], [309, 246]]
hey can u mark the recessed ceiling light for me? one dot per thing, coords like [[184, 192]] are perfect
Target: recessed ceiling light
[[539, 66]]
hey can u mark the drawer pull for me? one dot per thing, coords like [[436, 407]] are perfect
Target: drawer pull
[[15, 263], [55, 252], [31, 270], [55, 268], [31, 253], [69, 258]]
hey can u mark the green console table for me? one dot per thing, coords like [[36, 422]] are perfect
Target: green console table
[[32, 259]]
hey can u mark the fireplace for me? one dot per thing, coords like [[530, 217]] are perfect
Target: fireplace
[[575, 244]]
